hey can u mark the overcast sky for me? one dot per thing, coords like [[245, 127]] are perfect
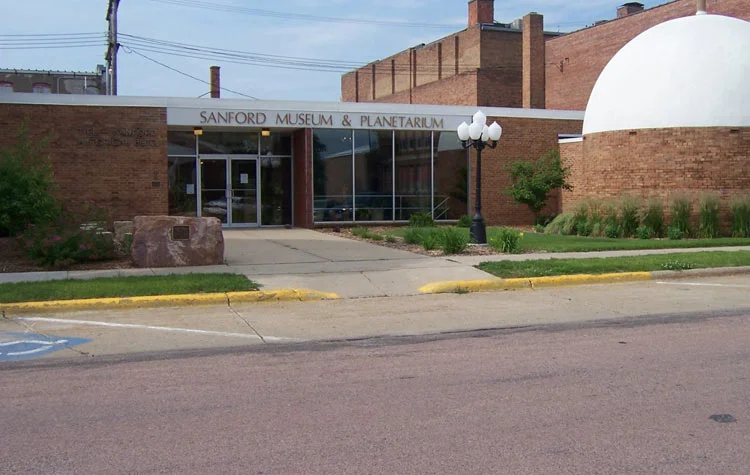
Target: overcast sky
[[268, 30]]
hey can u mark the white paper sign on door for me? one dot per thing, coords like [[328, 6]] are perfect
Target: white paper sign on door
[[244, 179]]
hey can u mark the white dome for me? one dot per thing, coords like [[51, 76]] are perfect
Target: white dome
[[688, 72]]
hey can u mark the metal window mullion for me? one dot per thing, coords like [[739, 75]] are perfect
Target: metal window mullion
[[198, 180], [432, 174], [393, 173], [354, 191]]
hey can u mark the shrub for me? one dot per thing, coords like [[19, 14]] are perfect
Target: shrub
[[26, 186], [653, 218], [740, 211], [708, 222], [562, 224], [413, 235], [464, 221], [629, 210], [580, 219], [390, 238], [674, 233], [612, 231], [681, 210], [532, 182], [430, 241], [538, 228], [506, 240], [375, 236], [75, 235], [544, 219], [361, 232], [421, 220], [644, 232], [453, 240]]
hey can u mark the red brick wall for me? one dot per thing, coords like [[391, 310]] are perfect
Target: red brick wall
[[533, 61], [303, 186], [574, 61], [481, 11], [659, 163], [571, 154], [523, 139], [94, 159]]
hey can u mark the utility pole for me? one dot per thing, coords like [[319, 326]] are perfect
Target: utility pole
[[112, 47]]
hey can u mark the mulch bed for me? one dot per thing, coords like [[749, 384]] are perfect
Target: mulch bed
[[12, 259], [471, 250]]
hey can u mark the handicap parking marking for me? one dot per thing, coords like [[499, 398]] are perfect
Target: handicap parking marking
[[16, 346]]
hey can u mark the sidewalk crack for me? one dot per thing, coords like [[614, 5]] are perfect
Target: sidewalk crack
[[249, 325]]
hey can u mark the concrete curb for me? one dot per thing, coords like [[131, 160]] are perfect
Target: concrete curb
[[228, 298], [485, 285]]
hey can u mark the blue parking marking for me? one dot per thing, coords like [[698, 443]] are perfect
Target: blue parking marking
[[15, 346]]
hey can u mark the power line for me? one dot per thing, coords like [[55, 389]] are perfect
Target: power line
[[213, 6], [131, 50]]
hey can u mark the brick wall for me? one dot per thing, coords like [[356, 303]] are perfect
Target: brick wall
[[113, 156], [533, 52], [523, 139], [574, 61], [571, 154], [660, 163]]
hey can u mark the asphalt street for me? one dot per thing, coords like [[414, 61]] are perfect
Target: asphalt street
[[641, 397]]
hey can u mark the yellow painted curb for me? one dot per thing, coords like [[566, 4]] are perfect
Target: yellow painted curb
[[303, 295], [485, 285]]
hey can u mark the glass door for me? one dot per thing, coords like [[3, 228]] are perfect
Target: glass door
[[214, 189], [243, 192]]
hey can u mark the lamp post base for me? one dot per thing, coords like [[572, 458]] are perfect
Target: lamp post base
[[478, 230]]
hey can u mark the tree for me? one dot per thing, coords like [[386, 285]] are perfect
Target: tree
[[26, 185], [532, 182]]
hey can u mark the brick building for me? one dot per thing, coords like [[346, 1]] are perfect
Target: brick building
[[516, 64], [258, 163], [52, 82]]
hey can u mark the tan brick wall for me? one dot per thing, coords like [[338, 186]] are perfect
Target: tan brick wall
[[94, 157], [574, 61], [660, 163], [571, 154], [481, 11], [523, 139]]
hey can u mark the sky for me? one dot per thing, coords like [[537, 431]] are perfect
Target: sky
[[286, 28]]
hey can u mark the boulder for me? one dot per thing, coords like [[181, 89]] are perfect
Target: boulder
[[176, 241]]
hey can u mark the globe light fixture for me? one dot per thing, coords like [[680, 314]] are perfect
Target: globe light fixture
[[479, 135]]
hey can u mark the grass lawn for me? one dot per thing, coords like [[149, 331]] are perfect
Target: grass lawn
[[534, 242], [675, 261], [124, 287]]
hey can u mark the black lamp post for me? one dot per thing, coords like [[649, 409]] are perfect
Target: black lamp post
[[479, 136]]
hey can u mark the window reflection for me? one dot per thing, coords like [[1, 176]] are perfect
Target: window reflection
[[373, 177], [332, 175], [451, 180], [413, 161]]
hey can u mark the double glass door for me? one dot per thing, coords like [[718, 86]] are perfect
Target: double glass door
[[229, 190]]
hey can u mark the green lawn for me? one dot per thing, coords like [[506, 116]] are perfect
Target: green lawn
[[123, 287], [534, 242], [674, 261]]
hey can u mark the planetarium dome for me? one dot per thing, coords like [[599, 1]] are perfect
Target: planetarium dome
[[689, 72]]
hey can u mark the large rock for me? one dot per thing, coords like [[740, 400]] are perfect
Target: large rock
[[176, 241]]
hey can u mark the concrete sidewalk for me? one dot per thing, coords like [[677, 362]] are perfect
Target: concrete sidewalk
[[307, 259]]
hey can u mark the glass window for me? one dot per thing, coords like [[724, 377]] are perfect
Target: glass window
[[451, 180], [276, 190], [180, 143], [413, 171], [332, 175], [278, 143], [182, 191], [373, 176], [41, 88], [6, 86], [226, 143]]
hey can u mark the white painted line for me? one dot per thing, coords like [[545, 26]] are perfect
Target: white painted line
[[699, 284], [35, 342], [140, 327], [30, 352]]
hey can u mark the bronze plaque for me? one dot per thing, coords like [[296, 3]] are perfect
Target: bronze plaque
[[180, 233]]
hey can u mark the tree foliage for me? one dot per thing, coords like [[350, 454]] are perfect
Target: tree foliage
[[532, 182], [26, 185]]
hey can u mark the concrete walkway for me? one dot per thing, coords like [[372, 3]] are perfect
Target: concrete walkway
[[302, 258]]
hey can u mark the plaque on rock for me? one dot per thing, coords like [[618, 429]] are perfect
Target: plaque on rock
[[181, 233]]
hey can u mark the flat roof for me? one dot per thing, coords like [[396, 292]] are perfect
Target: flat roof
[[184, 111]]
